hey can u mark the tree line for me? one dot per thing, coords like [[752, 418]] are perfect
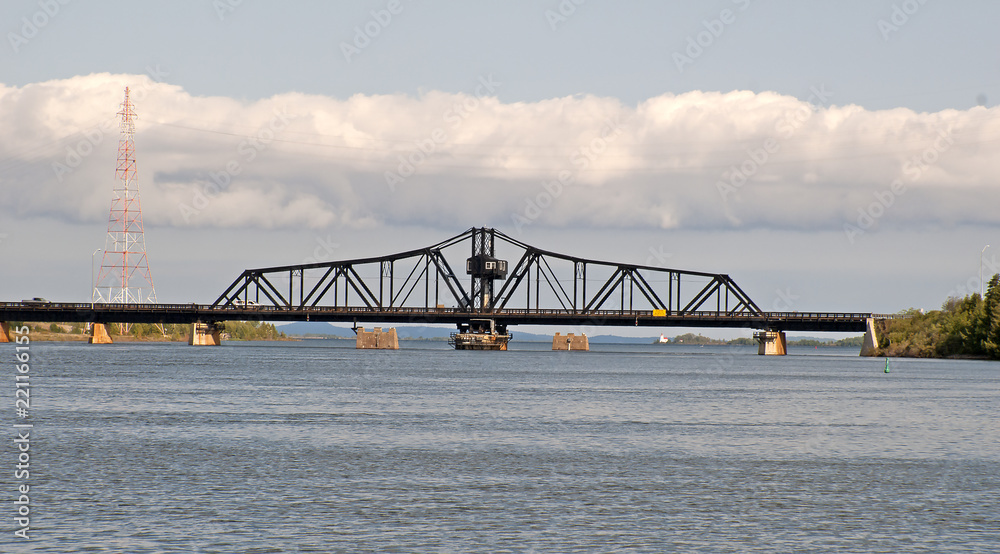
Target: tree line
[[234, 330], [966, 327]]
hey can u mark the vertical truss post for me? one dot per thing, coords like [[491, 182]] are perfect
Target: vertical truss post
[[670, 293], [538, 281], [631, 289], [576, 279]]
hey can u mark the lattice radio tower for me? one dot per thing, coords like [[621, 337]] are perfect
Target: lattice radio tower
[[124, 277]]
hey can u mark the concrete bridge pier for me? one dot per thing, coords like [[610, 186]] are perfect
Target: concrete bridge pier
[[570, 342], [377, 339], [870, 346], [206, 334], [771, 343], [4, 331]]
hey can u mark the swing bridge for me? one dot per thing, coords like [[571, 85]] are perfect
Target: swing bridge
[[503, 280]]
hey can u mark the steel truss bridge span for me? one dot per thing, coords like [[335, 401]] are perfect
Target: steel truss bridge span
[[538, 284]]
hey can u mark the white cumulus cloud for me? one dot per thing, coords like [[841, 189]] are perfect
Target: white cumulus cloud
[[696, 160]]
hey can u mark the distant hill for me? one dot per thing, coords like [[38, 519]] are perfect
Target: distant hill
[[325, 329], [318, 328], [854, 342]]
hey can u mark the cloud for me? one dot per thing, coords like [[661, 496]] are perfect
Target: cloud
[[699, 160]]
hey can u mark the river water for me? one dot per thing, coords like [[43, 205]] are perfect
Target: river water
[[317, 447]]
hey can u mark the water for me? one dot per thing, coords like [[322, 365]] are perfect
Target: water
[[317, 447]]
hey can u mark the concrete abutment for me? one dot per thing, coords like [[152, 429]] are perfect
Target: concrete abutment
[[870, 345]]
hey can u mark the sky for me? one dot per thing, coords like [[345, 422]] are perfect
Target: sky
[[828, 156]]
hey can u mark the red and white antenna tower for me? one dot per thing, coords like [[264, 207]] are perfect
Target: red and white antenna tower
[[124, 277]]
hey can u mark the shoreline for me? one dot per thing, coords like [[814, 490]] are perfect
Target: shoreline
[[41, 332]]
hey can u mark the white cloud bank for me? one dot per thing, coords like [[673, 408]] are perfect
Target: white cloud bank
[[696, 160]]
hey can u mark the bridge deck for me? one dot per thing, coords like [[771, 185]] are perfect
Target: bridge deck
[[190, 313]]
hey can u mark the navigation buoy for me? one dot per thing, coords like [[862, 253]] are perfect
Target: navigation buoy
[[887, 365]]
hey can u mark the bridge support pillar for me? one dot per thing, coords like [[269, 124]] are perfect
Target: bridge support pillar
[[870, 346], [570, 342], [771, 343], [99, 334], [377, 339], [4, 331], [206, 334]]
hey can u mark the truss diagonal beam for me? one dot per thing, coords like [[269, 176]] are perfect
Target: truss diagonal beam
[[514, 279], [420, 261], [610, 285], [333, 281], [457, 291], [315, 288]]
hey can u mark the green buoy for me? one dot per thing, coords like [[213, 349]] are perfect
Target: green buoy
[[887, 365]]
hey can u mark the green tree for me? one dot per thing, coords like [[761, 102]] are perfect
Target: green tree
[[252, 330], [955, 327], [991, 344], [855, 342], [142, 330]]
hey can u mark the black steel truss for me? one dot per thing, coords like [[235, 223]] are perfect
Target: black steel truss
[[424, 278]]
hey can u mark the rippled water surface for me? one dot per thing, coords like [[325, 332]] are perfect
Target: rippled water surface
[[317, 447]]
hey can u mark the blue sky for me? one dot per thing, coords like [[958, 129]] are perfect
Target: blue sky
[[944, 55], [680, 93]]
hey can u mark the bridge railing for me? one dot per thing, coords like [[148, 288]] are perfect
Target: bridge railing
[[253, 309], [818, 315]]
